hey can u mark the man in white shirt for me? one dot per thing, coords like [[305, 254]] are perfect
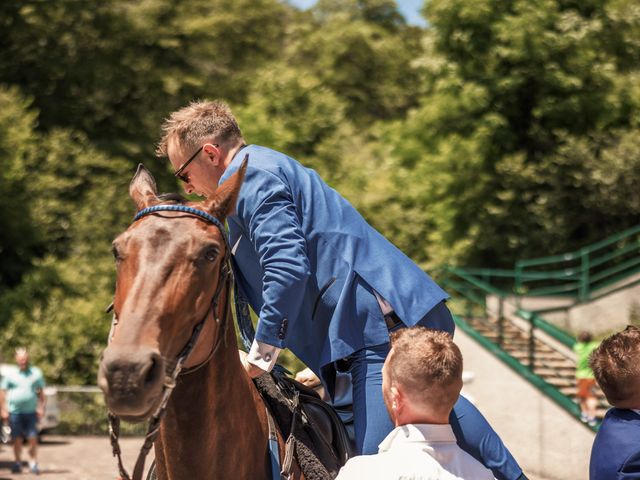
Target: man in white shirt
[[421, 381]]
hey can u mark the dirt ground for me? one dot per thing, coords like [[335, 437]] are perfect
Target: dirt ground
[[79, 458], [74, 458]]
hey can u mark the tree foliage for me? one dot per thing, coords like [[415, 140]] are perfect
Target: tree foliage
[[526, 105], [19, 240], [503, 130]]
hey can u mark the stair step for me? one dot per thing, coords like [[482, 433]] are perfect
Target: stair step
[[545, 371], [571, 392], [560, 382], [555, 361], [522, 342], [556, 365]]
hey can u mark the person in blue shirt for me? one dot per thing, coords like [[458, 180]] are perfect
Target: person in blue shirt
[[615, 454], [324, 283], [23, 403]]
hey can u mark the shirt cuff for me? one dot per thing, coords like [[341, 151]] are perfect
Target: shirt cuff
[[263, 355]]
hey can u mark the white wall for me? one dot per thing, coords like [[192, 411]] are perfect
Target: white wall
[[603, 315]]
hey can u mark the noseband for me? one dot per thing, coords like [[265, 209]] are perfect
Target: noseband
[[170, 380]]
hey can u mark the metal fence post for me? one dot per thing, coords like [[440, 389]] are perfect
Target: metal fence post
[[584, 275], [532, 347], [517, 290], [501, 322]]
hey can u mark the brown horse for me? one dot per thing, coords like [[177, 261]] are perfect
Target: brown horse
[[169, 268]]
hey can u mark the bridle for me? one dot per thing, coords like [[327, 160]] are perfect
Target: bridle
[[170, 380]]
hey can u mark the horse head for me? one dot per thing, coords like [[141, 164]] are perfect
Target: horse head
[[169, 268]]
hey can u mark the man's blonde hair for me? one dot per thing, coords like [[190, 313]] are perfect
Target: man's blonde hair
[[199, 120], [427, 364]]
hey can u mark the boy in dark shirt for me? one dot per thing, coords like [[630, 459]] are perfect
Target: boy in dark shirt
[[616, 449]]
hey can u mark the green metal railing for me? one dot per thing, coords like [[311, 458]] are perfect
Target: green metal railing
[[578, 275], [582, 275], [469, 306], [475, 290]]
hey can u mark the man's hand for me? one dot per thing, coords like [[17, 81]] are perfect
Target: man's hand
[[253, 370], [5, 415], [42, 402], [308, 378]]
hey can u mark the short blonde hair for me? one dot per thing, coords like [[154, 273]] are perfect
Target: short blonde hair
[[198, 120], [426, 360]]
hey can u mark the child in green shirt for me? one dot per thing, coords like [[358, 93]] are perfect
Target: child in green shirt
[[584, 378]]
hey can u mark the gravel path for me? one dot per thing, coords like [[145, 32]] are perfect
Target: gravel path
[[79, 458], [74, 458]]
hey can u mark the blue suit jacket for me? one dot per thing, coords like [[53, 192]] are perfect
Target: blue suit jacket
[[308, 261], [616, 450]]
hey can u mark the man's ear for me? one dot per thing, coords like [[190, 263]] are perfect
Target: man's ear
[[394, 394], [398, 398], [223, 202], [213, 152], [142, 189]]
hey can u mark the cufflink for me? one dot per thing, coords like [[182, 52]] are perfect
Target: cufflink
[[267, 357]]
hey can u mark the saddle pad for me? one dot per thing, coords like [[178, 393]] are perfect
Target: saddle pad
[[313, 451]]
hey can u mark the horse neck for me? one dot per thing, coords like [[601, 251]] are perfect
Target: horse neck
[[215, 425]]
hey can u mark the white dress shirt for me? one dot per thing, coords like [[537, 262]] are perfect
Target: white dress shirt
[[417, 452], [263, 355]]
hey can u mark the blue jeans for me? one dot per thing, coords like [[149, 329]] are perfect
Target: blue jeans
[[372, 423]]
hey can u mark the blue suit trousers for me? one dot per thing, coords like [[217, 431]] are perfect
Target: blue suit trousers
[[372, 422]]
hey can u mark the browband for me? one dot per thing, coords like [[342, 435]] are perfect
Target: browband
[[179, 208]]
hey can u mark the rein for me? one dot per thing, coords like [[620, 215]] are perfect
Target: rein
[[170, 380]]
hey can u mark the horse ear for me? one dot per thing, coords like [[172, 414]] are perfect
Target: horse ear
[[224, 201], [142, 189]]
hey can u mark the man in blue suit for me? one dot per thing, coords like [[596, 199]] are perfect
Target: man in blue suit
[[323, 282], [615, 454]]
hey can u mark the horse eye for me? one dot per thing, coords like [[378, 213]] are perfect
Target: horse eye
[[211, 254]]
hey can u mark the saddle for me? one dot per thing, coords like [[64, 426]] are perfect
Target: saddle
[[315, 434]]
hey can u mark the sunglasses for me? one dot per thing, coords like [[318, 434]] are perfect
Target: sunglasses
[[178, 173]]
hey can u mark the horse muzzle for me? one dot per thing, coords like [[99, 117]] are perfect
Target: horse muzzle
[[131, 381]]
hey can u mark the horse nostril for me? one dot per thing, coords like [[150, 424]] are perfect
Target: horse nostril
[[154, 370]]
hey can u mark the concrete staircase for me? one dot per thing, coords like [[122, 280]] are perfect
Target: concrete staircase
[[553, 362], [528, 316]]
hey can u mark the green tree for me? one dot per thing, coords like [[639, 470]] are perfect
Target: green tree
[[363, 50], [78, 202], [19, 239], [510, 89], [113, 70]]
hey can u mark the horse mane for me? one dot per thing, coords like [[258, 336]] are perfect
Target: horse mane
[[172, 199]]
